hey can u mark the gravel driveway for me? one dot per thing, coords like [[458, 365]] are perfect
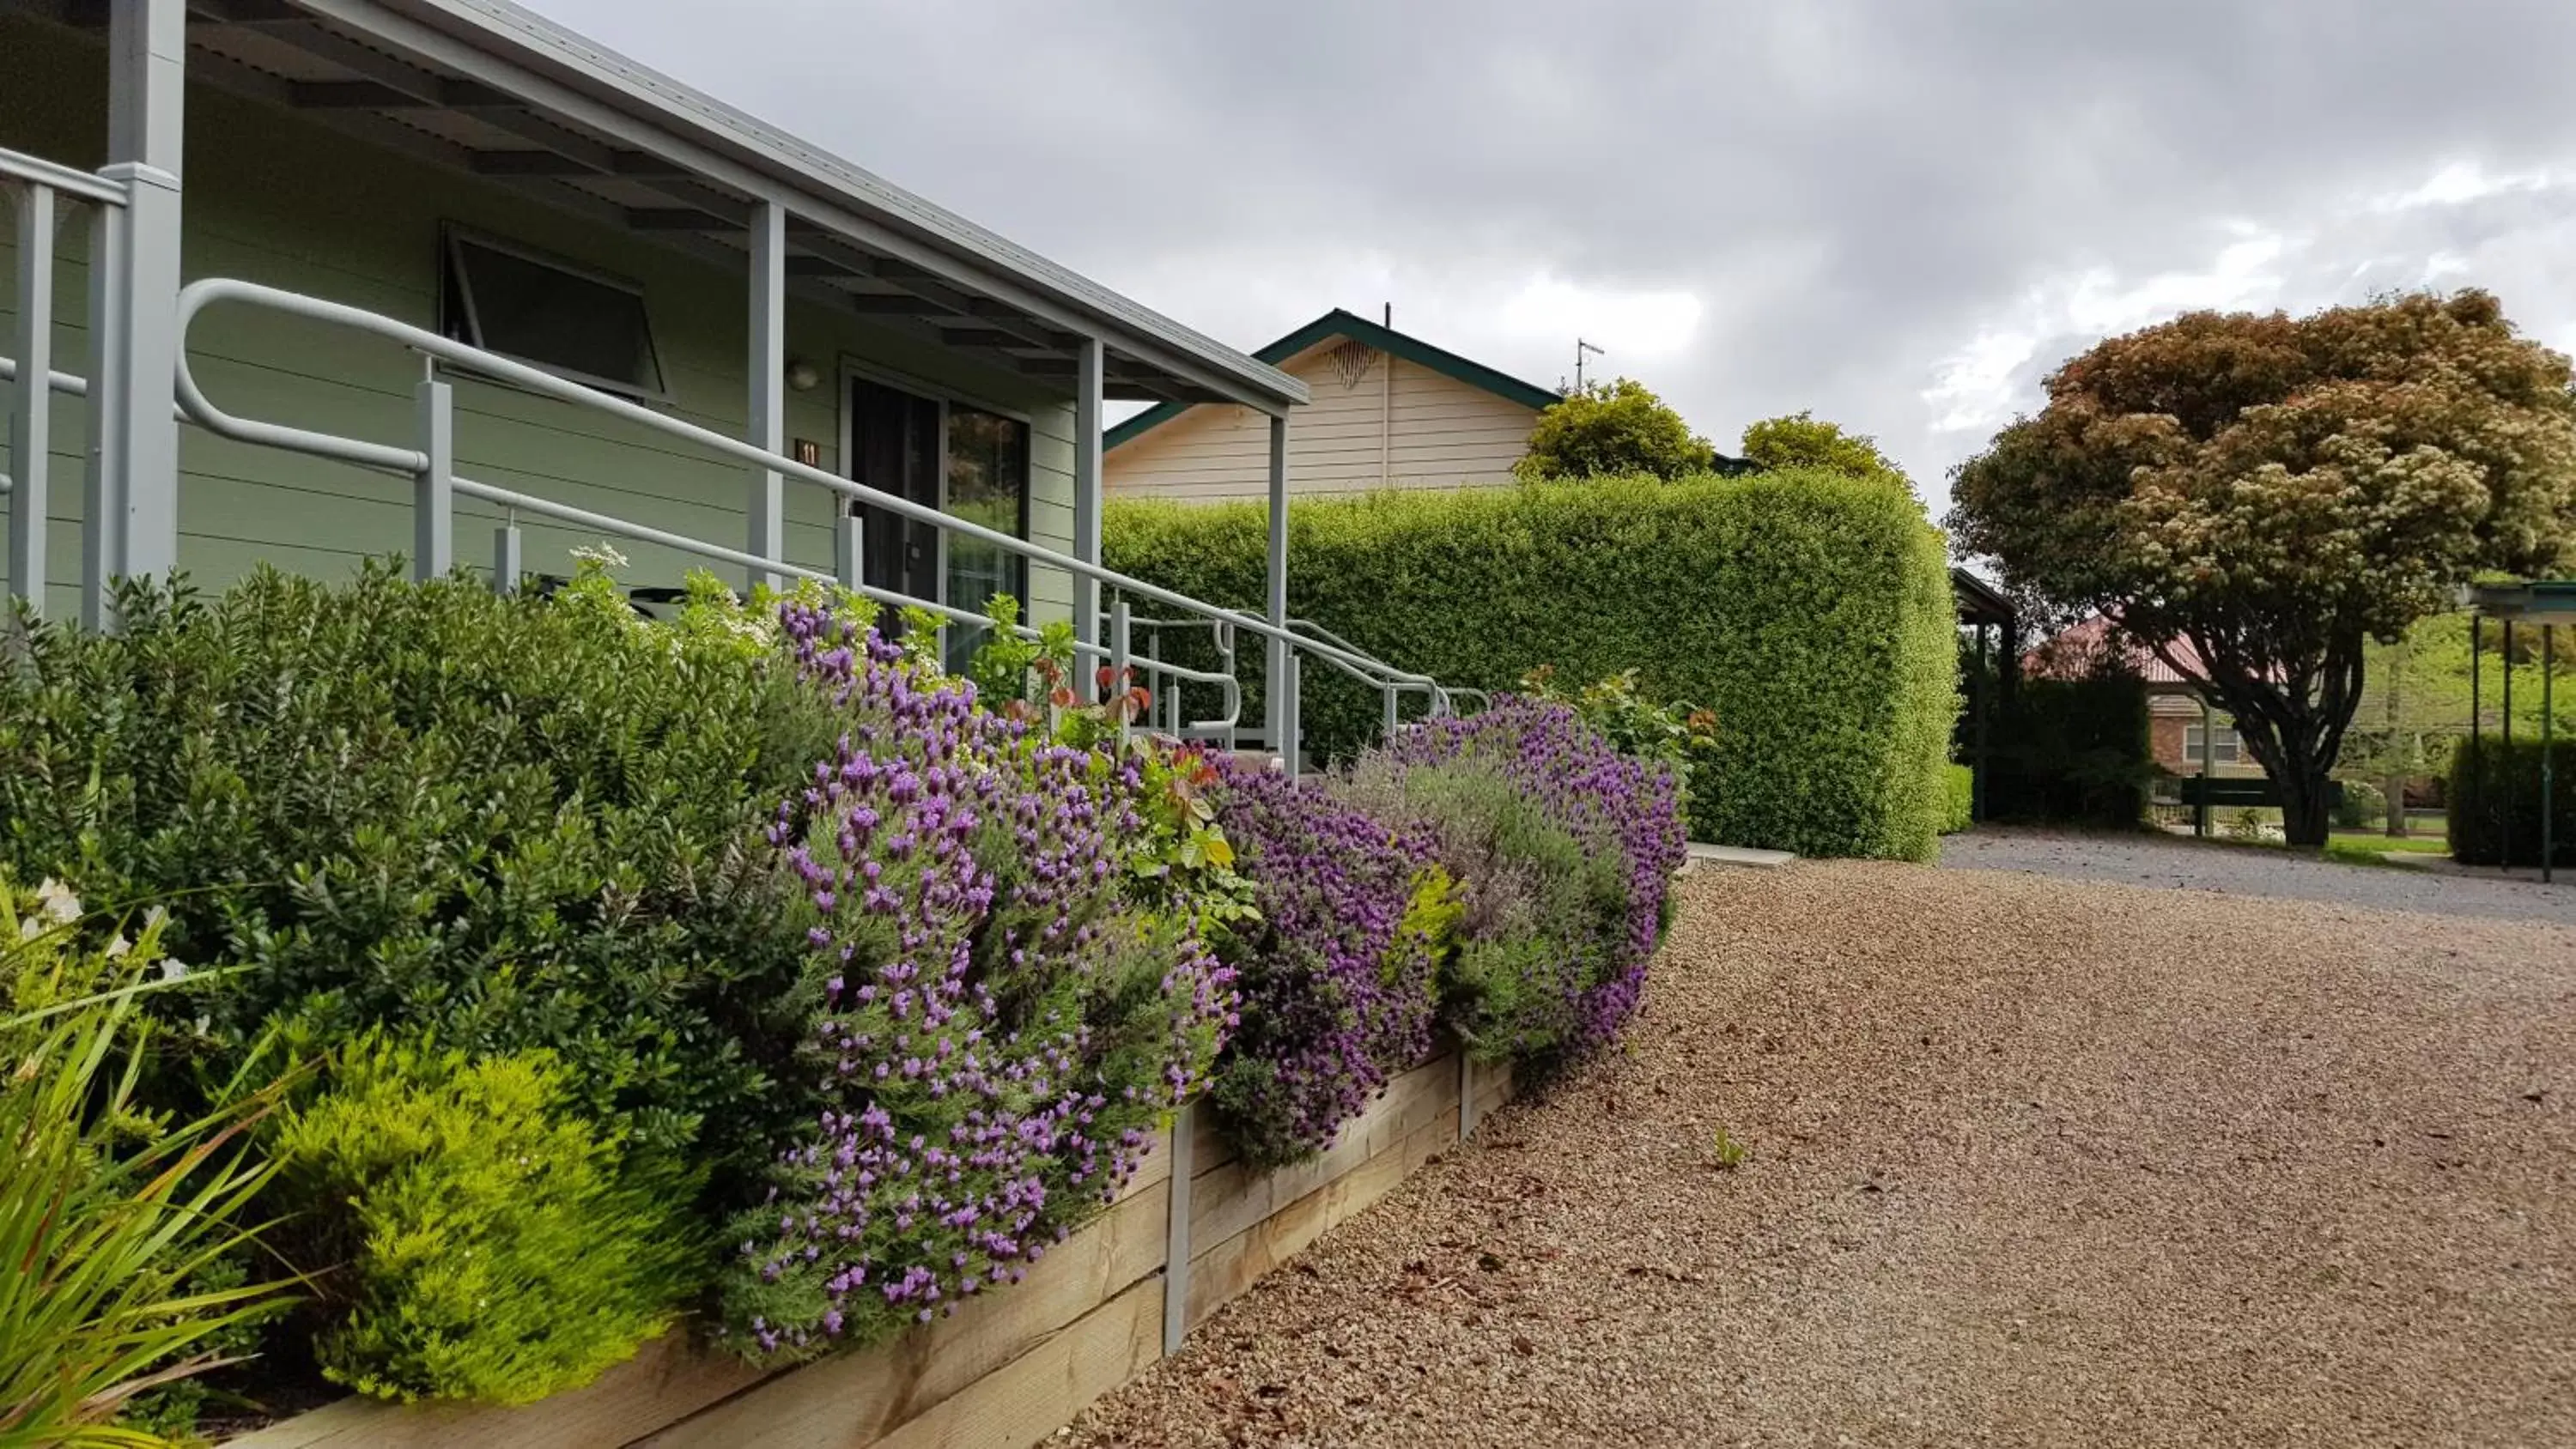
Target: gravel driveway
[[2031, 1162], [2183, 864]]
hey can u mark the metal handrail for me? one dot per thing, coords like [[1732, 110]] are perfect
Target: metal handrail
[[197, 296], [36, 170], [70, 384], [432, 470]]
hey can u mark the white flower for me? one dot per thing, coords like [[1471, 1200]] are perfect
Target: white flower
[[172, 968], [118, 947], [605, 555], [55, 901]]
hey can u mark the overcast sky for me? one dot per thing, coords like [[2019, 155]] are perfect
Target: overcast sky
[[1899, 213]]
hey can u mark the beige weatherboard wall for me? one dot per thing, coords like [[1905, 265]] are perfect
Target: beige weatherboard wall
[[1386, 410]]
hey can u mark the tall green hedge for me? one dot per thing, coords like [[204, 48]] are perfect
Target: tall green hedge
[[1810, 611], [2495, 797]]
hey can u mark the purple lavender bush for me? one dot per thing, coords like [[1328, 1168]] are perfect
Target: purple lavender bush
[[998, 1027], [1337, 976], [1564, 849]]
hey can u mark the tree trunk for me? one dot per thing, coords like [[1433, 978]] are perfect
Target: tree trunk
[[2396, 783], [2305, 815], [2292, 718]]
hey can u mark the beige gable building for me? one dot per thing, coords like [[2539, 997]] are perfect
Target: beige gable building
[[1388, 411]]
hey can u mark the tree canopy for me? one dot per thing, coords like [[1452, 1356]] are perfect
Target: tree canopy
[[2273, 492], [1614, 429], [1802, 440]]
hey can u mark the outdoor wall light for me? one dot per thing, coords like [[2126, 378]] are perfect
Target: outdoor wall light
[[801, 374]]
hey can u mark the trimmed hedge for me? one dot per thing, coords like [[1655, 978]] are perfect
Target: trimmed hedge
[[1809, 611], [1959, 798], [2495, 797]]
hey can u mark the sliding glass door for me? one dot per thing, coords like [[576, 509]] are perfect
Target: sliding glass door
[[988, 483], [965, 460]]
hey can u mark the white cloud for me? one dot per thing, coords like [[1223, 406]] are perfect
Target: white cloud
[[2458, 183], [1979, 385], [2463, 225], [1632, 326]]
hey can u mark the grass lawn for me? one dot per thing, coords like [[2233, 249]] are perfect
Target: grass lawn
[[2368, 847], [2411, 844]]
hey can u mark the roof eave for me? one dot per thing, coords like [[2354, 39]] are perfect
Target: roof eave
[[827, 190]]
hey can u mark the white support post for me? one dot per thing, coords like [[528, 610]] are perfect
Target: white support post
[[433, 489], [1294, 745], [102, 488], [1176, 1238], [1226, 660], [31, 416], [768, 372], [1090, 364], [1120, 663], [139, 435], [849, 547], [1277, 723], [508, 564]]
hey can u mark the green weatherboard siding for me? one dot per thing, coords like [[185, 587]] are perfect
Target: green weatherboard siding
[[273, 198]]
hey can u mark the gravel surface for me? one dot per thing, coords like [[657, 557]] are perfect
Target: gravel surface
[[2183, 864], [2031, 1162]]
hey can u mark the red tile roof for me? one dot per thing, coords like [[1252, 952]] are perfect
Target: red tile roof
[[2075, 651]]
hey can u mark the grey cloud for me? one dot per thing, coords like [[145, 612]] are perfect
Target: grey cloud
[[1854, 190]]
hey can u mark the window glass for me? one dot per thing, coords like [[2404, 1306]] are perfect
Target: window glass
[[988, 483], [2231, 746], [588, 328]]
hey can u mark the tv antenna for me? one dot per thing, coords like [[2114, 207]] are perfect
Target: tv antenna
[[1581, 347]]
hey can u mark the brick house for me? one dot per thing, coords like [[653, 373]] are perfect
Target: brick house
[[2180, 724]]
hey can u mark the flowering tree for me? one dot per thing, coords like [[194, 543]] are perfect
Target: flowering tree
[[2253, 497]]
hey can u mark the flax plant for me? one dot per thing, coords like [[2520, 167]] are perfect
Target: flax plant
[[109, 1216]]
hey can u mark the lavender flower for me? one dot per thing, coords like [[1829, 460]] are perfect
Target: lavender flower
[[1567, 849], [1338, 984], [998, 1033]]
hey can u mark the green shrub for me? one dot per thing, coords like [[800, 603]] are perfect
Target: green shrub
[[492, 1243], [1674, 736], [1540, 908], [1959, 801], [2495, 801], [1563, 849], [1809, 612], [2073, 751], [2359, 805], [123, 1229], [524, 823]]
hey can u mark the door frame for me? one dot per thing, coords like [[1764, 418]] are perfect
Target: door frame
[[851, 368]]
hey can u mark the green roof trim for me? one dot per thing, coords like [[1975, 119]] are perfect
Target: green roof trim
[[1342, 323]]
